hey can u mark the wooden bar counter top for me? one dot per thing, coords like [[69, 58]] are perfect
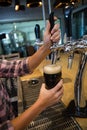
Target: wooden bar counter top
[[69, 76]]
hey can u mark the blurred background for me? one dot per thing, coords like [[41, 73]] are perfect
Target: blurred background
[[23, 21]]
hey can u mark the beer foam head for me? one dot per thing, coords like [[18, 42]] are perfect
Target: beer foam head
[[52, 69]]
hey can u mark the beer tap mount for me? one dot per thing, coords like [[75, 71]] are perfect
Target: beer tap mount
[[78, 106], [71, 48]]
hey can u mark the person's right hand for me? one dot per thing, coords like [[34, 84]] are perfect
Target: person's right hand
[[51, 96], [50, 38]]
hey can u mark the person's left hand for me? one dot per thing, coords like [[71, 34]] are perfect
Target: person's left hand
[[49, 97]]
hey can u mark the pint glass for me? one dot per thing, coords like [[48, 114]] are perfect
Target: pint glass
[[52, 75]]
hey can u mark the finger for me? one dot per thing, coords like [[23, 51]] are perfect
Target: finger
[[55, 28], [47, 26], [59, 92], [58, 99], [56, 39], [59, 85], [43, 86], [55, 18], [56, 36]]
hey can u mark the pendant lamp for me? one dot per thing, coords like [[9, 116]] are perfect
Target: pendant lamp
[[33, 3], [63, 3]]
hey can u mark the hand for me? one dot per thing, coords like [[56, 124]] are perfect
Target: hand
[[52, 36], [52, 96]]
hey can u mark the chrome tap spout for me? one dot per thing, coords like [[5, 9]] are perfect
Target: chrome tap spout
[[55, 49], [80, 101]]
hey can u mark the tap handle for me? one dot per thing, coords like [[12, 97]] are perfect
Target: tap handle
[[53, 54], [51, 20], [2, 36], [37, 31]]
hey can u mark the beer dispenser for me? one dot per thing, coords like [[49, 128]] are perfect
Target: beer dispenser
[[78, 106]]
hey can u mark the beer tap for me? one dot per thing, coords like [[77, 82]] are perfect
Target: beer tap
[[53, 47], [78, 106]]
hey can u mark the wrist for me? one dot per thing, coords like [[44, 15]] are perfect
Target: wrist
[[47, 46], [40, 105]]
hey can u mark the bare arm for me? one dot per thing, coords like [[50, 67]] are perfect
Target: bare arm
[[45, 99], [44, 50]]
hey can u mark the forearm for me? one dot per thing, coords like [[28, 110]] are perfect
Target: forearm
[[39, 56], [46, 98], [21, 122], [49, 38]]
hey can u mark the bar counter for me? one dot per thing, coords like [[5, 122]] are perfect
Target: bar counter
[[69, 79]]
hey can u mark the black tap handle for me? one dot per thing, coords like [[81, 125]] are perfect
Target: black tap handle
[[37, 31], [51, 19], [2, 36]]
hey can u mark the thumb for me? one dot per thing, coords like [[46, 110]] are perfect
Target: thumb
[[47, 26], [43, 86]]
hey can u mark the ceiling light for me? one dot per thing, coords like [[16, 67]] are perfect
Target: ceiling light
[[17, 5], [73, 3], [63, 3], [33, 3]]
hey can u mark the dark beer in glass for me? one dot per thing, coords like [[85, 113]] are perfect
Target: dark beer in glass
[[52, 75]]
